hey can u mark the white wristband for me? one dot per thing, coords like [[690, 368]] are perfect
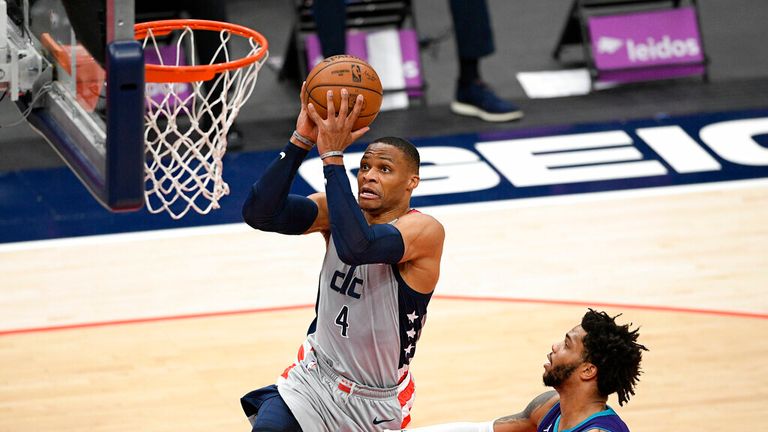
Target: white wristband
[[331, 154], [303, 139]]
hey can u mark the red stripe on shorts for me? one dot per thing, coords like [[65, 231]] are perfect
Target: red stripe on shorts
[[287, 370]]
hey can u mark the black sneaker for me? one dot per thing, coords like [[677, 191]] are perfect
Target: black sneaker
[[478, 100]]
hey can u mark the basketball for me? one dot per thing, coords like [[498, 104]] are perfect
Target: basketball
[[352, 73]]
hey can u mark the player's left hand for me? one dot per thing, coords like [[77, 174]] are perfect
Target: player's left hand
[[335, 132]]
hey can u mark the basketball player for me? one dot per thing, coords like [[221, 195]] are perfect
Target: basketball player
[[381, 265], [594, 360]]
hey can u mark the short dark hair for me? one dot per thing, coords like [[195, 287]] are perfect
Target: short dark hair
[[614, 350], [409, 150]]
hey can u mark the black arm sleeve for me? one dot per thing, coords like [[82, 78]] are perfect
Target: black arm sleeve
[[357, 242], [269, 207]]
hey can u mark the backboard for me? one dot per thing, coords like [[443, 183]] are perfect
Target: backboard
[[88, 98]]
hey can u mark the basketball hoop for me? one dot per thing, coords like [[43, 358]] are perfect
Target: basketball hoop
[[190, 108]]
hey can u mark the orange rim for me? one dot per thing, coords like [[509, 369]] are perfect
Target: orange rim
[[160, 73]]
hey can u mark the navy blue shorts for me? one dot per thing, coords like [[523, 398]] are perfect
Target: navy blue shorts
[[268, 412]]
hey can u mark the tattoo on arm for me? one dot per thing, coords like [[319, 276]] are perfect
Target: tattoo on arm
[[526, 414], [538, 401], [510, 419]]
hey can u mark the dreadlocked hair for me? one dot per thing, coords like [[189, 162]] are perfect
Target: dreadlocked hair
[[614, 350]]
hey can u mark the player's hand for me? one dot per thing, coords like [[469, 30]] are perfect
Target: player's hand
[[335, 132], [304, 125]]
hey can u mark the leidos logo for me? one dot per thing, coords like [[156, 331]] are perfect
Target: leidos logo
[[608, 45], [666, 48], [651, 49]]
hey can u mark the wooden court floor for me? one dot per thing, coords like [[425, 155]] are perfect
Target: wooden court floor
[[165, 331]]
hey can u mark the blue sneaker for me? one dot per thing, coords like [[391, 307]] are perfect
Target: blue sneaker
[[478, 100]]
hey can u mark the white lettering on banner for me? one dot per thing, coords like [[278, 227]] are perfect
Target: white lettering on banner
[[411, 69], [585, 157], [519, 159], [589, 157], [312, 171], [608, 45], [444, 170], [453, 170], [733, 140], [678, 149], [664, 49]]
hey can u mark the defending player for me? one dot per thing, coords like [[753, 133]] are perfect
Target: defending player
[[381, 265], [594, 360]]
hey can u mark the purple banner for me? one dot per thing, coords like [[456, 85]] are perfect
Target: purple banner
[[646, 39], [356, 46], [409, 48], [158, 92]]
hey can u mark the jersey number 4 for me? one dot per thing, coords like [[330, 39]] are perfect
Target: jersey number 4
[[342, 320]]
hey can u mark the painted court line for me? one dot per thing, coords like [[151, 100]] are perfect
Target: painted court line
[[152, 319], [723, 313]]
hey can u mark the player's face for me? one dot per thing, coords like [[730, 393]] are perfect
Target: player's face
[[566, 356], [385, 178]]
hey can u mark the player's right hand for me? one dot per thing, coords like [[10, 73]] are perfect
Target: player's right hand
[[304, 124]]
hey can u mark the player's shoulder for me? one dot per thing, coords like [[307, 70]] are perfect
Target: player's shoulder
[[416, 214], [542, 405], [321, 201], [318, 197], [424, 220], [608, 423]]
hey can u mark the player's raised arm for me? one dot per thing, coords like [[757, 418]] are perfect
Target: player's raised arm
[[269, 206], [528, 419], [357, 241]]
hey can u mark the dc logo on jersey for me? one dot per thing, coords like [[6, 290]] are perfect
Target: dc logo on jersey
[[345, 284]]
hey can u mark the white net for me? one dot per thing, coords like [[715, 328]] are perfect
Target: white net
[[187, 123]]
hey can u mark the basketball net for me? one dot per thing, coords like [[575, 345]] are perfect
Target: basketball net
[[189, 111]]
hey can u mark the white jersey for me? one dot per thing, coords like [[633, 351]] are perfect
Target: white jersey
[[368, 321]]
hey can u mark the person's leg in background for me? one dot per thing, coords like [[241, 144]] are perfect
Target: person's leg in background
[[331, 21], [474, 40]]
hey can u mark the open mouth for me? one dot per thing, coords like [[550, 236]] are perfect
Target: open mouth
[[368, 193]]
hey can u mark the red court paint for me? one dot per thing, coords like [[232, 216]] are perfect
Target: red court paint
[[151, 319], [654, 308], [724, 313]]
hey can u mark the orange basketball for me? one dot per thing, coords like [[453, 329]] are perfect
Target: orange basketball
[[352, 73]]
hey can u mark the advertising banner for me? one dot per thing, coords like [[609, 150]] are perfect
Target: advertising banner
[[646, 45]]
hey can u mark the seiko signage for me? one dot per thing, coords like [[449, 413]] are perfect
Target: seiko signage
[[583, 159], [473, 168]]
